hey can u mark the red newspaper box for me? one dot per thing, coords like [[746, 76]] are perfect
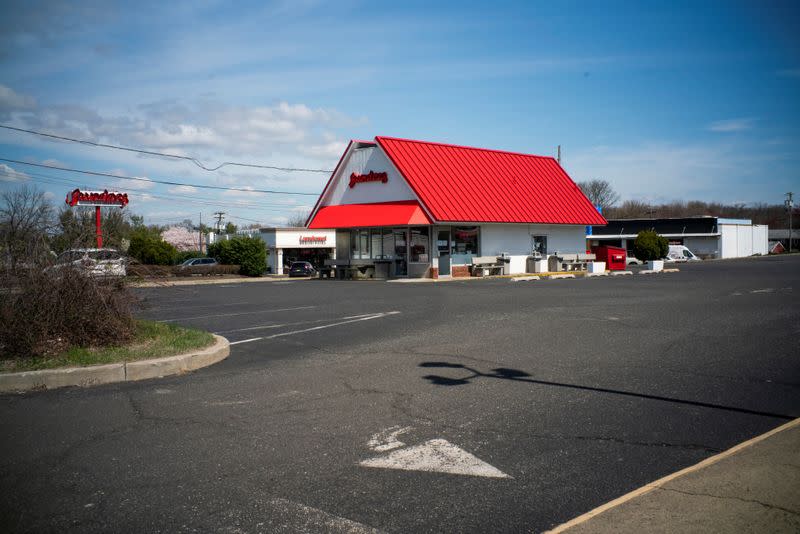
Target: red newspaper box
[[615, 257]]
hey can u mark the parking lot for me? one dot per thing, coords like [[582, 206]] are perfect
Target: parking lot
[[468, 406]]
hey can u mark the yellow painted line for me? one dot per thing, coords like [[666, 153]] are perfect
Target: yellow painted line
[[647, 488]]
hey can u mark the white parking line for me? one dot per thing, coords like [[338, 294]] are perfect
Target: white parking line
[[293, 332], [281, 325], [235, 314]]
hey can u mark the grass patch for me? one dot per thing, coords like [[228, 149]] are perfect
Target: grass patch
[[151, 340]]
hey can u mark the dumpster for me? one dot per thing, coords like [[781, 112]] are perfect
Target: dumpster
[[614, 257]]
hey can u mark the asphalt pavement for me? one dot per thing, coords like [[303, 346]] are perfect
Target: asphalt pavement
[[467, 406]]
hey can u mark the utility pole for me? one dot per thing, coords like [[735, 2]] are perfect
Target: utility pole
[[220, 215], [790, 206], [558, 158], [200, 231]]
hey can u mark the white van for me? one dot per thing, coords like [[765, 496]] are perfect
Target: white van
[[679, 253]]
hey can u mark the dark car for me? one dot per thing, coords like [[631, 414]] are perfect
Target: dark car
[[302, 268], [198, 262]]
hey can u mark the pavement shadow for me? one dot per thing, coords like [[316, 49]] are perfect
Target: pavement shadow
[[515, 375]]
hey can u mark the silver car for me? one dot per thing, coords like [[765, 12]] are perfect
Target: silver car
[[93, 261]]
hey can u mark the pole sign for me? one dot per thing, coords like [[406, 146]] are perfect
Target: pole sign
[[97, 198]]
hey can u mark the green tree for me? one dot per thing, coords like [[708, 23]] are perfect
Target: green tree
[[249, 253], [649, 246], [230, 228], [148, 247]]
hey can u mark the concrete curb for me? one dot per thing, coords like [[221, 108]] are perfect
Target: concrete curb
[[647, 488], [93, 375], [213, 281]]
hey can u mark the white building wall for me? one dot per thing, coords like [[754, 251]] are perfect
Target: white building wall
[[362, 161], [760, 239], [516, 239], [741, 240]]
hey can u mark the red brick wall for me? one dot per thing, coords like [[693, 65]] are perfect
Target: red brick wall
[[460, 270]]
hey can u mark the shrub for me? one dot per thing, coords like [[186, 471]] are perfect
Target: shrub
[[215, 270], [650, 246], [247, 252], [50, 310], [148, 247]]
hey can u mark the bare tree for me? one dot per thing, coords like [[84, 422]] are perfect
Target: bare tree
[[26, 219], [297, 220], [600, 193]]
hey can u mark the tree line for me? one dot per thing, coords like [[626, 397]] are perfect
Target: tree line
[[601, 193]]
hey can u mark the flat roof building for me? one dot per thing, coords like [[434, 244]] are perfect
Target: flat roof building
[[707, 237]]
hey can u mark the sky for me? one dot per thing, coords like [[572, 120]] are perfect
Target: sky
[[665, 100]]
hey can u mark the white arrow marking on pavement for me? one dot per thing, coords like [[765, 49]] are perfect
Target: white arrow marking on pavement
[[438, 456], [293, 332], [387, 439]]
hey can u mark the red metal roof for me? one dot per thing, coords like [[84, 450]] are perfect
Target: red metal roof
[[458, 183], [406, 212]]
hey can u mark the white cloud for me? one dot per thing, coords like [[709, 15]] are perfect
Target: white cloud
[[141, 183], [13, 101], [9, 174], [182, 189], [661, 172], [732, 125]]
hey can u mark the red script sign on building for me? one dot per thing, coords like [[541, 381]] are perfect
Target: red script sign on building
[[313, 239], [371, 176]]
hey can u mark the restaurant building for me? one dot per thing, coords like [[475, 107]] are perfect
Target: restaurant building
[[419, 209]]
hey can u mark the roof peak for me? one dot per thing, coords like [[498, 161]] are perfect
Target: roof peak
[[378, 138]]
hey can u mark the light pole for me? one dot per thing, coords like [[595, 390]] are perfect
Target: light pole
[[790, 206]]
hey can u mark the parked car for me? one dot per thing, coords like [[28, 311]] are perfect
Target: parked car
[[302, 268], [93, 261], [632, 260], [679, 253], [198, 262]]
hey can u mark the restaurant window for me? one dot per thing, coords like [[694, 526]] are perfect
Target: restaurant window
[[359, 240], [376, 242], [540, 244], [465, 240], [388, 243], [420, 245]]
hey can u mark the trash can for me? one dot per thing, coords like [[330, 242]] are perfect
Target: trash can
[[554, 264], [506, 261], [615, 258]]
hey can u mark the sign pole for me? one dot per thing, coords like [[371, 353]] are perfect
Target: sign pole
[[98, 227]]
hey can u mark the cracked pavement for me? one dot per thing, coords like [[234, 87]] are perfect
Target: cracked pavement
[[580, 390]]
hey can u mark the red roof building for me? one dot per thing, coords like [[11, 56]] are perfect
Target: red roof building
[[445, 204]]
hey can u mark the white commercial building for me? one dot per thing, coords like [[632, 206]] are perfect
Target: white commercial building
[[707, 237], [287, 245]]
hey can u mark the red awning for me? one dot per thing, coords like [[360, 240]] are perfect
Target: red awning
[[406, 212]]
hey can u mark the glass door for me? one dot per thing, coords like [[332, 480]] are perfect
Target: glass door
[[400, 251], [443, 246]]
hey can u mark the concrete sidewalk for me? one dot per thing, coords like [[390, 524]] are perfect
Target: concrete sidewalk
[[753, 487]]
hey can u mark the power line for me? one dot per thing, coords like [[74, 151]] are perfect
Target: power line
[[162, 154], [163, 182], [261, 206]]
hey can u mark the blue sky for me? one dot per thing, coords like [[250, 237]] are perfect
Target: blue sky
[[667, 101]]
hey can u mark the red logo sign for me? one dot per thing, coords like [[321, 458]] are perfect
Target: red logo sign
[[313, 239], [97, 198], [372, 176]]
